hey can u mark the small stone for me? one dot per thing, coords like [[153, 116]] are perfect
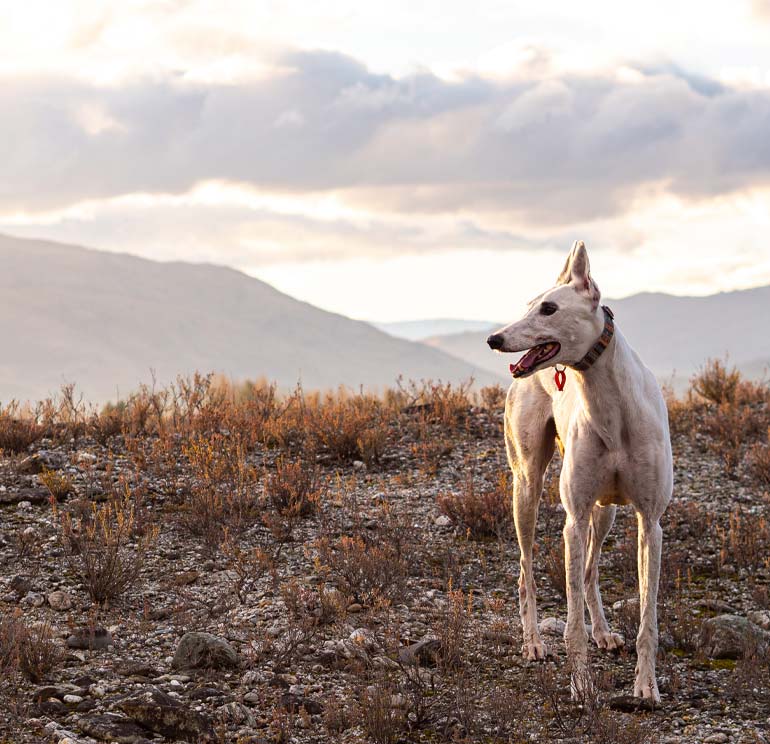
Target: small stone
[[424, 652], [24, 505], [355, 607], [90, 638], [33, 599], [111, 727], [718, 738], [552, 626], [761, 618], [73, 699], [60, 600], [359, 465], [20, 586], [442, 521]]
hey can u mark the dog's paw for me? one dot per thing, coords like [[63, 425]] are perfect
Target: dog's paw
[[647, 689], [534, 650], [608, 641]]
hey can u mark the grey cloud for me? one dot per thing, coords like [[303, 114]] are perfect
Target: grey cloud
[[553, 150]]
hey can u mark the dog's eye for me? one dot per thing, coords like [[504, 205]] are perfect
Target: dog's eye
[[548, 308]]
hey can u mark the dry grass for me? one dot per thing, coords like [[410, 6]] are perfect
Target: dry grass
[[482, 512]]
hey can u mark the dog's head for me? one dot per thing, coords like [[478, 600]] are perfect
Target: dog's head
[[560, 325]]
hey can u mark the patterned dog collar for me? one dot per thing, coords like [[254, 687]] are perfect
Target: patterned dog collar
[[604, 341]]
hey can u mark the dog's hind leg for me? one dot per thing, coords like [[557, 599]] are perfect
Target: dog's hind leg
[[602, 518], [650, 541]]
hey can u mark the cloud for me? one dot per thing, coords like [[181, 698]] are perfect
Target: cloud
[[549, 149], [761, 9]]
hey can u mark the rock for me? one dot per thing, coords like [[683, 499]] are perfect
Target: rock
[[42, 460], [158, 712], [293, 703], [631, 704], [60, 600], [20, 586], [355, 607], [718, 738], [26, 496], [761, 618], [72, 699], [731, 636], [31, 465], [33, 599], [137, 669], [93, 639], [716, 605], [236, 714], [364, 638], [552, 626], [204, 651], [61, 735], [442, 521], [631, 604], [424, 651], [113, 728]]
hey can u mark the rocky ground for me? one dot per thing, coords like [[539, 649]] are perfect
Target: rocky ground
[[378, 617]]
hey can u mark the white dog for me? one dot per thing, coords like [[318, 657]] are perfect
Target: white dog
[[609, 418]]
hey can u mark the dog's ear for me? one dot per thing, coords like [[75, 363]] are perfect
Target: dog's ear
[[577, 271]]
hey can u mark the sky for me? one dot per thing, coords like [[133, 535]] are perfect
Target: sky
[[399, 160]]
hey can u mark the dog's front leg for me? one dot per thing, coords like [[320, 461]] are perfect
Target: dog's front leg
[[650, 541], [575, 636], [526, 497]]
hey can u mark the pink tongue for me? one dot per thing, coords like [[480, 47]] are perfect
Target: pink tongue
[[529, 358]]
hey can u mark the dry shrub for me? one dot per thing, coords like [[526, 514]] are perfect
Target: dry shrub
[[294, 488], [25, 649], [18, 429], [758, 460], [745, 542], [58, 485], [493, 398], [586, 718], [434, 402], [249, 566], [452, 629], [716, 383], [382, 722], [107, 423], [347, 427], [482, 512], [431, 447], [730, 427], [107, 546], [222, 497], [364, 568], [555, 570]]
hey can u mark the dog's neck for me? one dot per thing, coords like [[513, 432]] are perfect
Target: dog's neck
[[602, 389]]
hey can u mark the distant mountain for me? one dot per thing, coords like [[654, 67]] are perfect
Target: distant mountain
[[673, 335], [417, 330], [104, 320]]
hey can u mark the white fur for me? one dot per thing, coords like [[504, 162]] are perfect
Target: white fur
[[612, 423]]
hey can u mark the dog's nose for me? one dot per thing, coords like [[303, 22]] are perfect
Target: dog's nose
[[495, 341]]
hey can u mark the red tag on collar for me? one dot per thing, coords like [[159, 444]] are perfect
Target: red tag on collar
[[560, 378]]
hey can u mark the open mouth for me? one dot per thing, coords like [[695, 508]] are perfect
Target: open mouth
[[534, 357]]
